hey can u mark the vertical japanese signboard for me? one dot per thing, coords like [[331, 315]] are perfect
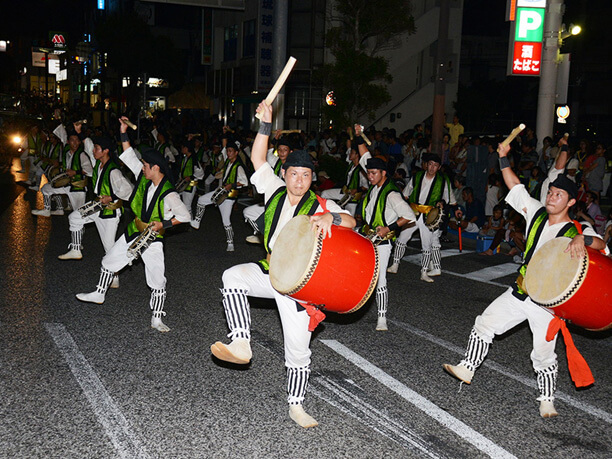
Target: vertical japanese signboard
[[526, 34], [264, 52]]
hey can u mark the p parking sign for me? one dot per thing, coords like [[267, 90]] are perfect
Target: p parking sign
[[527, 32], [529, 24]]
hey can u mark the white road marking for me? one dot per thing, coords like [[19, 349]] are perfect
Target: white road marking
[[463, 430], [117, 427], [529, 382], [494, 272]]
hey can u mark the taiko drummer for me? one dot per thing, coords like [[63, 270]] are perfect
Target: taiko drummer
[[515, 306], [284, 200]]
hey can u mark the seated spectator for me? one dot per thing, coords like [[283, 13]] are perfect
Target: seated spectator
[[493, 194], [494, 223], [512, 233], [473, 218], [459, 183], [595, 212]]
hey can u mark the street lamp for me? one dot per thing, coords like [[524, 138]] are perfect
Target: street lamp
[[572, 30]]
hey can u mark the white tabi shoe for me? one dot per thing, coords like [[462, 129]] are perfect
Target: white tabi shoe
[[115, 282], [425, 277], [195, 224], [72, 254], [41, 212], [238, 351], [230, 247], [57, 212], [254, 239], [157, 324], [547, 409], [93, 297], [301, 418], [393, 268], [434, 272], [381, 324], [460, 372]]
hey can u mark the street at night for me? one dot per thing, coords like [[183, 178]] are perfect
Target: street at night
[[84, 380]]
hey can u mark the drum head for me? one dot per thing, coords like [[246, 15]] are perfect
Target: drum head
[[552, 275], [293, 255]]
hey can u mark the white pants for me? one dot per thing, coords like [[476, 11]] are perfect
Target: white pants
[[153, 257], [384, 252], [253, 212], [76, 198], [429, 238], [250, 278], [107, 227], [225, 208], [336, 194], [506, 312], [187, 197]]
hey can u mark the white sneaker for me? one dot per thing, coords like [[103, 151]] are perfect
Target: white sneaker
[[41, 212], [434, 272], [230, 247], [547, 409], [57, 212], [72, 254], [115, 282], [518, 259], [157, 324], [460, 372], [195, 224], [381, 325], [425, 277], [93, 297], [255, 239], [238, 351], [301, 418], [393, 268]]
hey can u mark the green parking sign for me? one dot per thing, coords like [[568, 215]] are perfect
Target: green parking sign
[[529, 24]]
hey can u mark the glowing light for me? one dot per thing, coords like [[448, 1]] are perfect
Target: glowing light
[[17, 140], [330, 99]]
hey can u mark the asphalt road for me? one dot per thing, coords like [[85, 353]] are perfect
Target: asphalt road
[[88, 381]]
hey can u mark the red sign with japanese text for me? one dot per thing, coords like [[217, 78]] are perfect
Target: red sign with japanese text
[[527, 58]]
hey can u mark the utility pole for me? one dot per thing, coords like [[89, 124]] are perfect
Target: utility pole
[[438, 121], [548, 70], [279, 57]]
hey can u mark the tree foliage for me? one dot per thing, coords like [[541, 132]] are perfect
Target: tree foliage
[[359, 76]]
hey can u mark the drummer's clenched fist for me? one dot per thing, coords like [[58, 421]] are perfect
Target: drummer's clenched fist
[[266, 111]]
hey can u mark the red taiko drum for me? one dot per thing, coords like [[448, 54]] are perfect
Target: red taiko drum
[[338, 273], [578, 290]]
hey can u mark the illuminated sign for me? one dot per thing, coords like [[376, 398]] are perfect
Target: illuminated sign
[[100, 4], [526, 35], [529, 24], [562, 113], [527, 58]]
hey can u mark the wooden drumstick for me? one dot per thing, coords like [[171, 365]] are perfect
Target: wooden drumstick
[[279, 83], [130, 124], [365, 138], [291, 131], [516, 131], [350, 132]]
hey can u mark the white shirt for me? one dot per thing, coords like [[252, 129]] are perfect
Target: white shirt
[[425, 187], [519, 199], [267, 183], [173, 205]]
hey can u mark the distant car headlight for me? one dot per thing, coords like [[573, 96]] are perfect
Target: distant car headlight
[[17, 140]]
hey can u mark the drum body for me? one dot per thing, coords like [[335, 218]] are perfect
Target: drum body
[[219, 196], [578, 290], [434, 218], [338, 273]]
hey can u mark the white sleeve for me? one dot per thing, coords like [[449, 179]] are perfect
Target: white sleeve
[[154, 134], [519, 200], [86, 165], [241, 176], [174, 207], [129, 158], [408, 188], [88, 146], [198, 172], [266, 181], [363, 161], [121, 186], [553, 173], [169, 155], [400, 207], [61, 133]]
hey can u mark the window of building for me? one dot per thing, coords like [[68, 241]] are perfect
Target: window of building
[[230, 43], [248, 39]]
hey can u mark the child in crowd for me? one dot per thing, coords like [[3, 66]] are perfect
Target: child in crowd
[[494, 223]]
